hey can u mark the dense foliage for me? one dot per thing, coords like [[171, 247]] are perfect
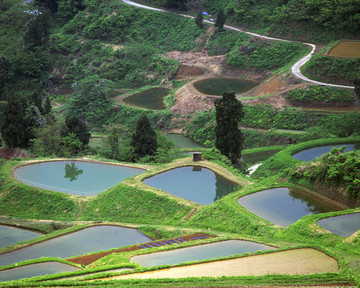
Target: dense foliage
[[335, 168]]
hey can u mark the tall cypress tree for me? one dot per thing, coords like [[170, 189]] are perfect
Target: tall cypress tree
[[220, 19], [229, 139], [144, 139], [14, 128]]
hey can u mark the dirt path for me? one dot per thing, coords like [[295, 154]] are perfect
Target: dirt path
[[297, 261]]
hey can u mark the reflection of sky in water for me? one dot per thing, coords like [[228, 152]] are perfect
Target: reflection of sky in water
[[344, 225], [200, 252], [74, 177], [311, 154], [12, 235], [194, 183], [39, 269], [284, 206], [88, 240]]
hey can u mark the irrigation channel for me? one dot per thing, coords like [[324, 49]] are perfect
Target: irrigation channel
[[295, 69]]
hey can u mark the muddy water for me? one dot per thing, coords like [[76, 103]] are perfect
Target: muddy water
[[346, 49]]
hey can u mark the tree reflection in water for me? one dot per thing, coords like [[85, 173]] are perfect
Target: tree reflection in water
[[72, 172]]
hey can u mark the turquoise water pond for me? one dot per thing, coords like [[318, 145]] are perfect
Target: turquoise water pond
[[195, 183], [343, 225], [311, 154], [150, 99], [11, 235], [88, 240], [181, 141], [200, 252], [218, 85], [284, 206], [74, 177], [39, 269]]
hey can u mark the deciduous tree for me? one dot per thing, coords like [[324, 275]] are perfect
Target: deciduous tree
[[229, 139]]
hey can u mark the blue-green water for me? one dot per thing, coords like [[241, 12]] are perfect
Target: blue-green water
[[74, 177], [88, 240], [200, 252], [39, 269], [311, 154], [181, 141], [194, 183], [284, 206], [11, 235], [218, 85], [343, 225]]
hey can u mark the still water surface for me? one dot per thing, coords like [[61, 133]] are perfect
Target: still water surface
[[39, 269], [195, 183], [74, 177], [200, 252], [311, 154], [181, 141], [11, 235], [343, 225], [284, 206], [84, 241], [217, 86], [150, 99]]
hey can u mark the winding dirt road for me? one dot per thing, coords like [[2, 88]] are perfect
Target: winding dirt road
[[295, 69]]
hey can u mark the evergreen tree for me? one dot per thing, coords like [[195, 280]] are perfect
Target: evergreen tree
[[50, 5], [113, 144], [144, 139], [199, 19], [47, 106], [357, 91], [229, 139], [37, 32], [220, 19], [5, 69], [37, 101], [73, 124], [14, 128]]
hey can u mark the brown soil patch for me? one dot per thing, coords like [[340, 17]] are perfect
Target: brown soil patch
[[291, 262], [88, 259], [9, 153]]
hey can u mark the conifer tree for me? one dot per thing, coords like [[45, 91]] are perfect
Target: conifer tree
[[13, 128], [73, 124], [229, 139], [47, 106], [37, 101], [144, 139], [199, 19], [220, 19]]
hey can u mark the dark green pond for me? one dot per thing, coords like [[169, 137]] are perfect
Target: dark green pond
[[39, 269], [150, 99], [253, 158], [88, 240], [11, 235], [217, 86], [74, 177], [181, 141], [284, 206], [200, 252], [311, 154], [194, 183], [343, 225]]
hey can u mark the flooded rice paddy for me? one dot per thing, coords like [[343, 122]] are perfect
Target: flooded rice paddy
[[218, 85], [150, 99], [311, 154], [33, 270], [284, 206], [81, 242], [181, 141], [11, 235], [343, 225], [200, 252], [346, 49], [194, 183], [74, 177]]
